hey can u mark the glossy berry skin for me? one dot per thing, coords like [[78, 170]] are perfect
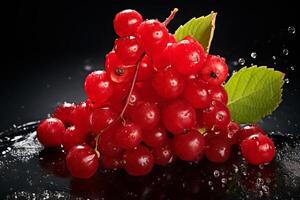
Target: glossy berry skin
[[63, 112], [178, 116], [146, 115], [101, 118], [155, 137], [111, 59], [126, 22], [138, 161], [80, 117], [216, 116], [111, 162], [215, 70], [249, 130], [82, 161], [72, 137], [107, 144], [128, 50], [188, 57], [98, 86], [168, 83], [258, 149], [153, 36], [232, 132], [163, 155], [128, 135], [218, 93], [217, 149], [196, 93], [163, 60], [189, 146], [146, 69], [50, 132]]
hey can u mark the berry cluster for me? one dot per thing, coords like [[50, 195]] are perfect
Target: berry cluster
[[158, 100]]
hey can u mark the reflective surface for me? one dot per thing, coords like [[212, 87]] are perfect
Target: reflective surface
[[29, 171]]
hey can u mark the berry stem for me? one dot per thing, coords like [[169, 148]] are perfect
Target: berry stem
[[172, 15]]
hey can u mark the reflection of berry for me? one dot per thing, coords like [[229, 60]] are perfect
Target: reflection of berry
[[258, 149]]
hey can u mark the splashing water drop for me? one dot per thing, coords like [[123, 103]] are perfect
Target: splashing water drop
[[241, 61], [224, 180], [274, 57], [287, 81], [216, 173], [285, 52], [88, 68], [292, 68], [253, 55], [291, 29], [210, 183]]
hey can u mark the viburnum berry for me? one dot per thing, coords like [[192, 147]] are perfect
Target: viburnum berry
[[215, 70], [72, 137], [249, 130], [111, 162], [63, 112], [107, 143], [163, 60], [128, 135], [216, 116], [146, 69], [178, 116], [80, 117], [258, 149], [168, 83], [128, 50], [146, 115], [100, 118], [138, 161], [189, 146], [188, 57], [153, 36], [218, 93], [98, 86], [217, 149], [163, 155], [126, 22], [232, 132], [50, 132], [82, 161], [155, 137], [196, 93]]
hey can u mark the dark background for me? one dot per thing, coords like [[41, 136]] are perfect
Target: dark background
[[56, 43]]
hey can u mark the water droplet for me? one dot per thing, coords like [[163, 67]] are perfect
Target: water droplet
[[265, 188], [268, 180], [285, 52], [292, 68], [287, 81], [260, 193], [241, 61], [274, 57], [216, 173], [259, 181], [253, 55], [210, 183], [88, 68], [224, 180], [261, 166], [291, 30], [212, 188]]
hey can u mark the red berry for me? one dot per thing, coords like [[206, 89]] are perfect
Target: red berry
[[232, 132], [178, 116], [63, 112], [163, 155], [172, 38], [146, 115], [107, 144], [50, 132], [168, 83], [190, 146], [153, 36], [128, 50], [249, 130], [98, 87], [138, 161], [111, 162], [215, 70], [163, 60], [188, 57], [146, 69], [126, 22], [258, 149], [101, 118], [111, 60], [217, 149], [155, 137], [218, 93], [128, 135], [196, 93], [80, 117], [82, 161], [216, 116], [72, 137]]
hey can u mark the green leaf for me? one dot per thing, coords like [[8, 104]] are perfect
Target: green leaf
[[254, 93], [202, 29]]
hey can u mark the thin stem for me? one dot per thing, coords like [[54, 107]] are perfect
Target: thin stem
[[172, 15]]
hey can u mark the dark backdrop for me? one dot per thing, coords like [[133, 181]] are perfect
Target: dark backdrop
[[57, 43]]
